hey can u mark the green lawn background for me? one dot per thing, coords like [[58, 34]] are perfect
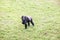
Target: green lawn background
[[45, 13]]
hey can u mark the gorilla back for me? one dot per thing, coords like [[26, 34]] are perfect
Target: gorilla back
[[26, 20]]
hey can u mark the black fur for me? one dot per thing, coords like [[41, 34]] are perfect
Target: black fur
[[26, 20]]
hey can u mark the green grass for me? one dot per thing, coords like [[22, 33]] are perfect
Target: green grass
[[46, 16]]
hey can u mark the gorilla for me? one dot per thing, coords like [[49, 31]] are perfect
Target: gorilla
[[26, 20]]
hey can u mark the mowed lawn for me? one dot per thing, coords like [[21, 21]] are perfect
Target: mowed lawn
[[45, 13]]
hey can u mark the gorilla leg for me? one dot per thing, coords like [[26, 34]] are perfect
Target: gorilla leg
[[28, 23], [32, 22], [25, 26]]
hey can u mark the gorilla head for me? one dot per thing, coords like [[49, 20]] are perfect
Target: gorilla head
[[26, 20]]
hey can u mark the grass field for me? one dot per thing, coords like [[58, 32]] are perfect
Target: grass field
[[45, 13]]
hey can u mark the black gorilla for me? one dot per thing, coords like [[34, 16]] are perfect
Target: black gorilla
[[26, 20]]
